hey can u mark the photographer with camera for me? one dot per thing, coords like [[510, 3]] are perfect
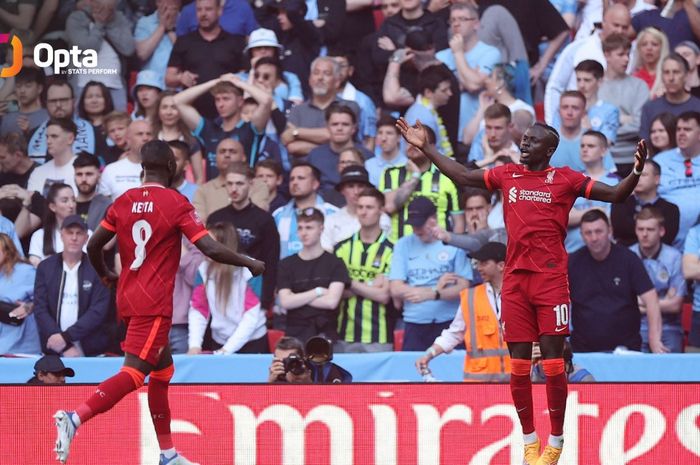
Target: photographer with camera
[[288, 364], [294, 363]]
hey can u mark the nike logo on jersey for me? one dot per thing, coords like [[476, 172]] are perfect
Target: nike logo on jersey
[[520, 409], [516, 175], [559, 330]]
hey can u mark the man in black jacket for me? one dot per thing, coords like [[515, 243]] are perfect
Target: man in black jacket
[[257, 231], [70, 302]]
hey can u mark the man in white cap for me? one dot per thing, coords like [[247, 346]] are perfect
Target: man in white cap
[[263, 43]]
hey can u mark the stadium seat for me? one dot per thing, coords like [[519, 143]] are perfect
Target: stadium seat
[[686, 321], [398, 340], [539, 111], [273, 335]]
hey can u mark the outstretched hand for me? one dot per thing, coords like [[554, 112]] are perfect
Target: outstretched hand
[[415, 135], [640, 156]]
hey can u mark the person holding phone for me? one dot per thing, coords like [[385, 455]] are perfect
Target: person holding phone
[[26, 112]]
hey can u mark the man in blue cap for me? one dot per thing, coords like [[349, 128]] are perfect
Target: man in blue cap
[[426, 277]]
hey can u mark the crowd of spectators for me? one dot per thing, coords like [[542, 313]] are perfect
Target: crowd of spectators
[[280, 114]]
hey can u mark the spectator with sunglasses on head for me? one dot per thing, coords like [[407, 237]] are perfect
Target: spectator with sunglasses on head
[[263, 45]]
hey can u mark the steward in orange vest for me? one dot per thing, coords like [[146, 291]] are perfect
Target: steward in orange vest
[[477, 323], [487, 357]]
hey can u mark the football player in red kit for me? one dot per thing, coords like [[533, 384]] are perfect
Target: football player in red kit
[[149, 222], [535, 296]]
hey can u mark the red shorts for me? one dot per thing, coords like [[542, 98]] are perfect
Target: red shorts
[[534, 304], [147, 337]]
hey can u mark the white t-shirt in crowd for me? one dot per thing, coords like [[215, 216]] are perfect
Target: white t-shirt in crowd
[[69, 301], [119, 177], [43, 176]]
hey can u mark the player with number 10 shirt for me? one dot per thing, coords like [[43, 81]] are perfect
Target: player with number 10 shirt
[[537, 199]]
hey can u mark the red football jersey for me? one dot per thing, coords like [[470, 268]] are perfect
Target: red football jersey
[[149, 222], [536, 208]]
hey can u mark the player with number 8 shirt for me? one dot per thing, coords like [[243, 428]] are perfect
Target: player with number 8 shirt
[[535, 299], [149, 222]]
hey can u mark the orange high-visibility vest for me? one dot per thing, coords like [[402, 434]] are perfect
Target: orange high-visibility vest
[[487, 357]]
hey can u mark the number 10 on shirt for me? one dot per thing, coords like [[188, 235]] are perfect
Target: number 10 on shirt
[[562, 314]]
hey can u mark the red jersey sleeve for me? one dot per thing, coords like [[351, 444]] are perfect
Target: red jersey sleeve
[[109, 222], [189, 222], [581, 184], [493, 177]]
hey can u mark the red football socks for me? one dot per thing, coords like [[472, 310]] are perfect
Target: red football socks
[[556, 393], [521, 391], [159, 406], [109, 392]]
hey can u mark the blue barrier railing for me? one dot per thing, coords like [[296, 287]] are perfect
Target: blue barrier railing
[[377, 367]]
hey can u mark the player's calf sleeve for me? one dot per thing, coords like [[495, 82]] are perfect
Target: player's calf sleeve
[[109, 392], [557, 392], [521, 391], [159, 406]]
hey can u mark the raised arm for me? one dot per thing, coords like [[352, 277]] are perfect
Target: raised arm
[[417, 136], [222, 254], [184, 102], [624, 188], [264, 98]]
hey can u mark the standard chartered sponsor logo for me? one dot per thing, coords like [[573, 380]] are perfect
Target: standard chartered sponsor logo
[[535, 196], [531, 195]]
